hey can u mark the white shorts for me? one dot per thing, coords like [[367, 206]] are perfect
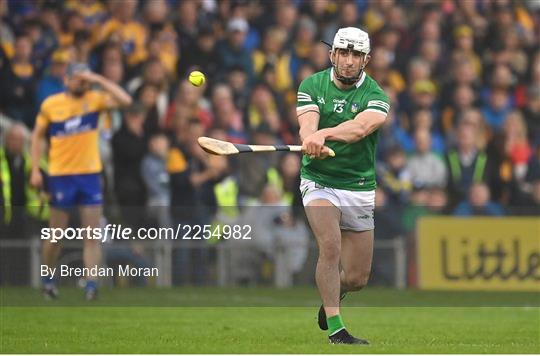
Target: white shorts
[[357, 207]]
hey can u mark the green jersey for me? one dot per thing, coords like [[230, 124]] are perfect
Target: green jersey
[[353, 167]]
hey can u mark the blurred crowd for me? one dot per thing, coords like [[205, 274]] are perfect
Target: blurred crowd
[[463, 76]]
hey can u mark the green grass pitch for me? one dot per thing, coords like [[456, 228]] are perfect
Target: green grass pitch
[[264, 320]]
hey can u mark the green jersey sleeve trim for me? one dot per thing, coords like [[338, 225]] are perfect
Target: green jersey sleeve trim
[[306, 96], [378, 105]]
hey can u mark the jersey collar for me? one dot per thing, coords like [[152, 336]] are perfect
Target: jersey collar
[[358, 83]]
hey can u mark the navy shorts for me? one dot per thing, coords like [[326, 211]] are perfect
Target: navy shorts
[[73, 190]]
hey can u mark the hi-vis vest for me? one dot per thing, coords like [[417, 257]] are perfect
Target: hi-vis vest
[[479, 166], [226, 193], [35, 207], [273, 177]]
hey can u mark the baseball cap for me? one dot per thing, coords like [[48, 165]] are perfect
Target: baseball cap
[[77, 67], [238, 24]]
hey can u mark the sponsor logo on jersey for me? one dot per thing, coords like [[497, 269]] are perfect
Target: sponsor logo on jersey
[[320, 100], [73, 124]]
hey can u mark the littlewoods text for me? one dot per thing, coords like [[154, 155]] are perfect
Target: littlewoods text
[[119, 232]]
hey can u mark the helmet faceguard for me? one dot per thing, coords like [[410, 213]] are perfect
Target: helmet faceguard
[[350, 39]]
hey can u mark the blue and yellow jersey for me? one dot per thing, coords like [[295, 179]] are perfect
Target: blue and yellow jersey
[[132, 35], [72, 125], [93, 12]]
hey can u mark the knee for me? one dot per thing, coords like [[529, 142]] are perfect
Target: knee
[[330, 253], [357, 281]]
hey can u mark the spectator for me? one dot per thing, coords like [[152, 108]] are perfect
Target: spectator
[[517, 147], [466, 164], [187, 25], [516, 155], [422, 119], [156, 179], [154, 73], [319, 58], [92, 11], [189, 99], [380, 69], [462, 73], [227, 116], [417, 70], [478, 203], [348, 16], [19, 200], [426, 169], [496, 110], [286, 177], [147, 95], [231, 52], [464, 47], [22, 208], [129, 148], [277, 235], [194, 175], [463, 99], [163, 37], [238, 81], [82, 48], [431, 52], [53, 82], [122, 28], [202, 56], [394, 177], [303, 43], [263, 109], [72, 22], [253, 171], [19, 95]]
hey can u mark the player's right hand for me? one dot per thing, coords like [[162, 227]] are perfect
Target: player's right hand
[[313, 145], [36, 179]]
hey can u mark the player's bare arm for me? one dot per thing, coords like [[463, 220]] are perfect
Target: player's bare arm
[[350, 131], [120, 96], [308, 119]]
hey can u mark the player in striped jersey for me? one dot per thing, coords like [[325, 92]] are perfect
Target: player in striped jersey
[[341, 108]]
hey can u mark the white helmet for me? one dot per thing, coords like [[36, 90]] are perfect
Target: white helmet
[[352, 38]]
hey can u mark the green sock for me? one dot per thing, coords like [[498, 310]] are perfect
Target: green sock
[[335, 324]]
